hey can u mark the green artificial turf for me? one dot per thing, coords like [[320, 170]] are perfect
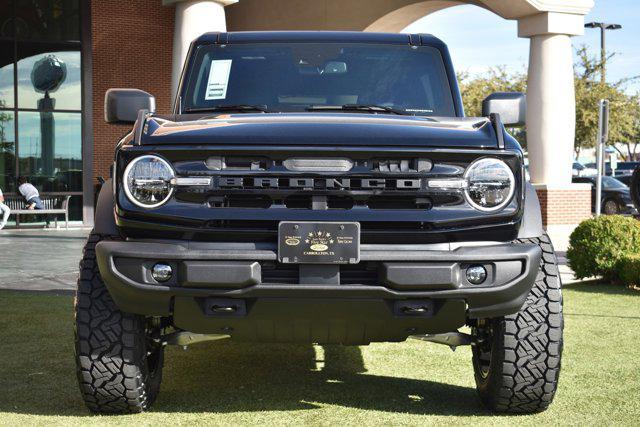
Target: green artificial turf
[[406, 383]]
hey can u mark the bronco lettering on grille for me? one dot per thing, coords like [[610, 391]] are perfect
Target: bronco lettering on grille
[[321, 183]]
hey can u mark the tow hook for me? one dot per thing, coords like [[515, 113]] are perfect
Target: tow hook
[[452, 339]]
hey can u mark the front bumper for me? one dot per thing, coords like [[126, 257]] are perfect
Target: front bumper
[[629, 209], [225, 288]]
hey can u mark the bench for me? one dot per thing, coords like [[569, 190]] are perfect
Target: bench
[[54, 204]]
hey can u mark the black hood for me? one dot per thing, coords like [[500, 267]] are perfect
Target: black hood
[[318, 129]]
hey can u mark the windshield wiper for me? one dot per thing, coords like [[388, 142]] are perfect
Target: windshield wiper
[[222, 108], [359, 107]]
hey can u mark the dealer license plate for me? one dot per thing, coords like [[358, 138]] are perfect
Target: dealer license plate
[[319, 242]]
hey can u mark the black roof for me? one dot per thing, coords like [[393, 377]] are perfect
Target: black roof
[[319, 37]]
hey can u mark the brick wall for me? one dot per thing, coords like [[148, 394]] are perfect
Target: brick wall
[[564, 206], [132, 45]]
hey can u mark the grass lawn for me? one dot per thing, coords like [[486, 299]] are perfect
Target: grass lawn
[[407, 383]]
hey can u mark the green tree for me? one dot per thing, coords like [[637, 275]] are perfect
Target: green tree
[[474, 89], [624, 113], [6, 147], [624, 110], [633, 140], [6, 120]]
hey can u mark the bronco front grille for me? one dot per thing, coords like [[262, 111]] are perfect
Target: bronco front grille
[[387, 192], [329, 202], [314, 184]]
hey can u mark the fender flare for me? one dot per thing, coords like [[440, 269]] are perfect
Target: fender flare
[[105, 220], [531, 223]]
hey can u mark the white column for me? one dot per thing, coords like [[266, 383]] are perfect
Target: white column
[[550, 95], [551, 119], [193, 18], [551, 109]]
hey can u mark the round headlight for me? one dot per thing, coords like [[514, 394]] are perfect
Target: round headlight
[[147, 181], [490, 184]]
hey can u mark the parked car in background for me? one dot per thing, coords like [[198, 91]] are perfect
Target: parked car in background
[[625, 179], [578, 169], [625, 170], [616, 198], [607, 168]]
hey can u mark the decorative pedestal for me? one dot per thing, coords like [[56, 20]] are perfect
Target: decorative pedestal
[[563, 208]]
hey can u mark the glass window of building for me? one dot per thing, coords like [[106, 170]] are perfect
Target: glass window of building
[[40, 97], [46, 74], [7, 14], [7, 63], [7, 151], [47, 20]]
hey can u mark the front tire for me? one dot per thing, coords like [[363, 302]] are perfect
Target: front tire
[[517, 357], [118, 355], [611, 207]]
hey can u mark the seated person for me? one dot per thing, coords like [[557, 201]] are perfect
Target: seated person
[[30, 194]]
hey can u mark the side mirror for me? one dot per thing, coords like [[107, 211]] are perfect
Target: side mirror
[[512, 107], [122, 105]]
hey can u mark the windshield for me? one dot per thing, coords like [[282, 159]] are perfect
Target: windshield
[[285, 77], [609, 183]]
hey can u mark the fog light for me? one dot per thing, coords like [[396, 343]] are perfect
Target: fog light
[[162, 272], [476, 274]]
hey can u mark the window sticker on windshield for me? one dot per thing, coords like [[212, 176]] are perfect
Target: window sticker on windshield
[[218, 79]]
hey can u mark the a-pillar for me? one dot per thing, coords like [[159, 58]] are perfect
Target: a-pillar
[[551, 121], [193, 18]]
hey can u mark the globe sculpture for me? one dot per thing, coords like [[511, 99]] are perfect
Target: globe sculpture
[[47, 75]]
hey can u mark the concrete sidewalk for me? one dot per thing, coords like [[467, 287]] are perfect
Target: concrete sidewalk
[[47, 260], [40, 259], [566, 274]]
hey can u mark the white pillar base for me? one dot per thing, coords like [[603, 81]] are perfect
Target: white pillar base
[[563, 208], [559, 235]]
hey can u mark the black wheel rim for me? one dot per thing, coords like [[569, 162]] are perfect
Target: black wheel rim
[[610, 207]]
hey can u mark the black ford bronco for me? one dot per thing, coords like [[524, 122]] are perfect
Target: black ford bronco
[[317, 187]]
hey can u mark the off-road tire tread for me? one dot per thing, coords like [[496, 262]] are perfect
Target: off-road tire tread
[[110, 346], [529, 347]]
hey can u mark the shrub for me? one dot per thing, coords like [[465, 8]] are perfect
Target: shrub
[[597, 245], [630, 270]]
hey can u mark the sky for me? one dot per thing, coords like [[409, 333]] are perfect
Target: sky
[[469, 31]]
